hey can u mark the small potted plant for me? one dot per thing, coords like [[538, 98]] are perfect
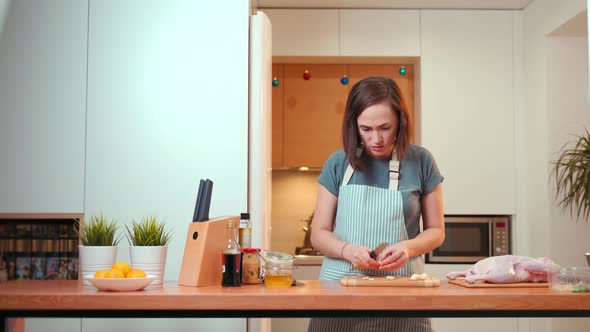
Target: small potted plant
[[148, 240], [98, 245], [572, 177]]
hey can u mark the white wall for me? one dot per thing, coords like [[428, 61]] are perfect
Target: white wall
[[568, 114], [42, 98], [42, 113], [554, 86], [540, 18], [167, 106], [121, 107]]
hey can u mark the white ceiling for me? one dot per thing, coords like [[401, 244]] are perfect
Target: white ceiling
[[414, 4]]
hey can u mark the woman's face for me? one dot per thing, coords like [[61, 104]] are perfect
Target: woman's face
[[377, 126]]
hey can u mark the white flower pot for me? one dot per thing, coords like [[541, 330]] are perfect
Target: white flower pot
[[94, 258], [151, 259]]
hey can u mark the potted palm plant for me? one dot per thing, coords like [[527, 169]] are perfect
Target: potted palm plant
[[148, 246], [98, 248], [572, 177]]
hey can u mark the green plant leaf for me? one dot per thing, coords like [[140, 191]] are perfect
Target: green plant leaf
[[98, 232], [571, 172], [148, 232]]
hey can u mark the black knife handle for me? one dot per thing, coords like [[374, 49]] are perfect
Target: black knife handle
[[199, 204]]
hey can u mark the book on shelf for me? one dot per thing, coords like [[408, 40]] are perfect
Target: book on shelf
[[4, 251], [52, 253], [39, 251], [73, 253], [11, 255], [62, 273], [23, 251]]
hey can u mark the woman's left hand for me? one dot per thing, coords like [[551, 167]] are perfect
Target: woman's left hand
[[394, 257]]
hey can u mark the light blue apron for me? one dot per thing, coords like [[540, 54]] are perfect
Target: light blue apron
[[368, 216]]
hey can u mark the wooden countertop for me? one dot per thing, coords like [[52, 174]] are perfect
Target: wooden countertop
[[30, 297]]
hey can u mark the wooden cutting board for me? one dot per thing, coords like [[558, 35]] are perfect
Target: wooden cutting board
[[384, 282], [462, 282]]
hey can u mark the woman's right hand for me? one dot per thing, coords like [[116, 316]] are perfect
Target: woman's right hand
[[360, 257]]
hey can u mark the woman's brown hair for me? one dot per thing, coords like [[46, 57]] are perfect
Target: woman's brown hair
[[367, 92]]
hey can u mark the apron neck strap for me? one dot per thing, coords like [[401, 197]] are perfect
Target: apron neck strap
[[393, 173], [347, 174]]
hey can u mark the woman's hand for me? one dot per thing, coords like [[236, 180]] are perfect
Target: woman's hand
[[359, 257], [394, 257]]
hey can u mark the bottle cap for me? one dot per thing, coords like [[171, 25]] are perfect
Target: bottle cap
[[251, 250], [244, 215]]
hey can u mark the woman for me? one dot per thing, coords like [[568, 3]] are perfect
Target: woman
[[374, 191]]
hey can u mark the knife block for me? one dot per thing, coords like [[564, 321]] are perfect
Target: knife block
[[201, 262]]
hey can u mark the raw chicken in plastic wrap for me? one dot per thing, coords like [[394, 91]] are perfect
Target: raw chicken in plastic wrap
[[507, 269]]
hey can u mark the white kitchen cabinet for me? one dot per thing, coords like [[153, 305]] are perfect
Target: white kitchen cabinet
[[53, 324], [306, 32], [43, 98], [163, 324], [475, 324], [380, 32], [467, 107]]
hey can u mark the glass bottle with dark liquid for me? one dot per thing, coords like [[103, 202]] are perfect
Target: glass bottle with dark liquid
[[230, 259]]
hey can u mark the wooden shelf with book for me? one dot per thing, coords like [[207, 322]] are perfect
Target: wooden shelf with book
[[39, 246]]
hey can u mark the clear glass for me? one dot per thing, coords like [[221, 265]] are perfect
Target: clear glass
[[277, 268], [277, 258], [570, 279], [278, 276], [232, 245]]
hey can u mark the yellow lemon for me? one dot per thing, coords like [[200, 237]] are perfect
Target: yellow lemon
[[136, 273], [100, 273], [114, 273], [123, 267]]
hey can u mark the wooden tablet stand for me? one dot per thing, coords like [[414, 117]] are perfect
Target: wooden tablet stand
[[201, 263]]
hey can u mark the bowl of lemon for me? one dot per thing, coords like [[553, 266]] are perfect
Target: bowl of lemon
[[121, 278]]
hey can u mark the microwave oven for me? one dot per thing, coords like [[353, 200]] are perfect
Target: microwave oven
[[469, 239]]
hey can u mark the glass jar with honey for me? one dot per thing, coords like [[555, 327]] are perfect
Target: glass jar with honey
[[277, 268]]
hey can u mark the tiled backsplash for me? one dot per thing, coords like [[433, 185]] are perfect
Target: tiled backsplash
[[293, 200]]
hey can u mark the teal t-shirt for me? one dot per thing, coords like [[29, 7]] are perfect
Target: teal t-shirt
[[419, 175]]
